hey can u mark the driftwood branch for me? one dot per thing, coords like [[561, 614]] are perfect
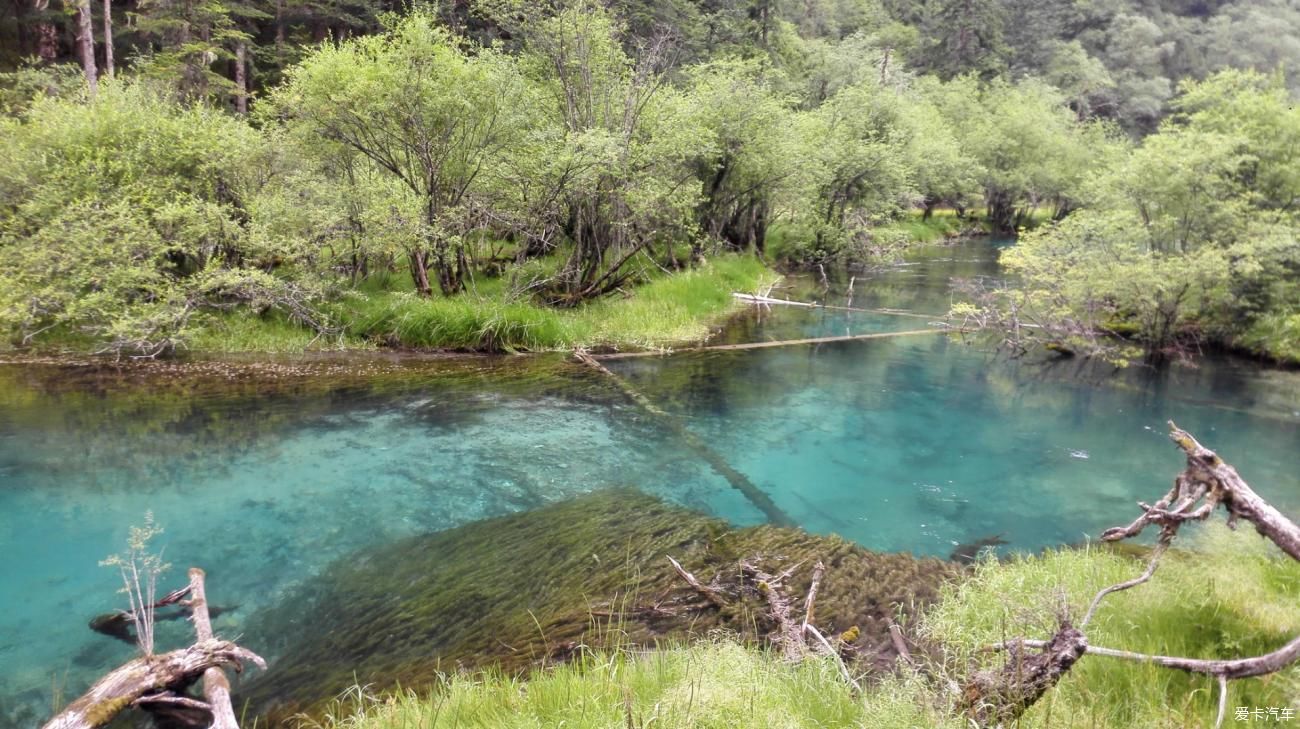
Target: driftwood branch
[[158, 682], [144, 676], [216, 687], [711, 594], [1203, 486], [1206, 483]]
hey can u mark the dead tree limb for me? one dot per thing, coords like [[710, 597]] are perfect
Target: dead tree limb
[[216, 687], [1205, 484], [738, 480], [145, 676], [711, 594], [810, 602], [1000, 697], [789, 632], [1230, 669]]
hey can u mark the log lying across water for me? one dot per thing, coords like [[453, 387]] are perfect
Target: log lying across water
[[778, 343], [738, 480]]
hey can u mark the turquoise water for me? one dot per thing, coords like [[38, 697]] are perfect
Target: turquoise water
[[913, 443]]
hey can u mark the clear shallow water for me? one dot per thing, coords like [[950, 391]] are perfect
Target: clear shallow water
[[911, 443]]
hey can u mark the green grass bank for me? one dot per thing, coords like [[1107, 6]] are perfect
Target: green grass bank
[[665, 309], [1230, 595]]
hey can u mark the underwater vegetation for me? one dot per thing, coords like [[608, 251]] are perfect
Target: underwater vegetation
[[544, 587]]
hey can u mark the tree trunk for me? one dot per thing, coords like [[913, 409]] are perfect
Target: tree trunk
[[216, 687], [86, 43], [47, 35], [241, 77], [108, 39], [144, 677], [420, 273]]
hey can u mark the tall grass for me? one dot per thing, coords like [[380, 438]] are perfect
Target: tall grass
[[713, 684], [669, 309], [1232, 595]]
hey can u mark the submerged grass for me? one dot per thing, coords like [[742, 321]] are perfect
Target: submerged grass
[[1231, 596]]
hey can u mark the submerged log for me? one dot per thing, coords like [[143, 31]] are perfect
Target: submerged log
[[738, 480]]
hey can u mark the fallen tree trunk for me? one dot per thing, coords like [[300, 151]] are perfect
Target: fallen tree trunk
[[157, 683], [738, 480], [216, 687], [148, 676]]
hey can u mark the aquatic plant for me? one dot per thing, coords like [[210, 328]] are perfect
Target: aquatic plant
[[548, 586], [140, 568]]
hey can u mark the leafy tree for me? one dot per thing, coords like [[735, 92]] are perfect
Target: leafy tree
[[745, 160], [1190, 236], [433, 116], [125, 221], [622, 160]]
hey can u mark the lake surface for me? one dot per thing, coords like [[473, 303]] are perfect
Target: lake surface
[[263, 475]]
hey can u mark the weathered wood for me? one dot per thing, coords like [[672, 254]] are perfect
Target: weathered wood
[[216, 687], [147, 675], [789, 632], [1229, 669], [1000, 697], [738, 480], [711, 594], [769, 345], [787, 302], [1206, 483]]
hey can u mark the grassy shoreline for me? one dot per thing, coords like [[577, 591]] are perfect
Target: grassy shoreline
[[666, 310]]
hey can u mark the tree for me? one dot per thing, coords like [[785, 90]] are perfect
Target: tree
[[745, 161], [622, 161], [426, 112], [1030, 147], [1190, 236], [124, 222]]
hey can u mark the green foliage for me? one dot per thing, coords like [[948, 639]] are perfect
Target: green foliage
[[418, 107], [1191, 235], [125, 218]]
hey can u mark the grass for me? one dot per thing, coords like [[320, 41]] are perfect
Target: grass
[[715, 683], [1232, 596], [667, 310], [943, 224]]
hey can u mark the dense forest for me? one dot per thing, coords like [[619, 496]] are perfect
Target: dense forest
[[343, 169]]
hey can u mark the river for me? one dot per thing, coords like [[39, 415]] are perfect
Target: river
[[264, 474]]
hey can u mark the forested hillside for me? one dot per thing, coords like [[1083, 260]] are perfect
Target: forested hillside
[[463, 174]]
